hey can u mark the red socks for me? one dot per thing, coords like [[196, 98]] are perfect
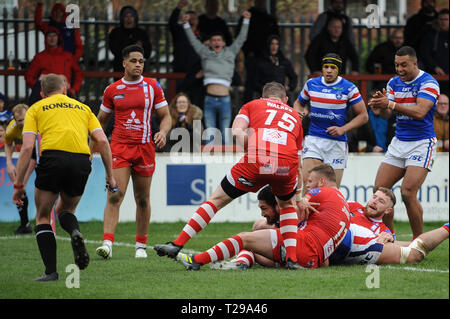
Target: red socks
[[198, 221], [223, 250], [288, 228]]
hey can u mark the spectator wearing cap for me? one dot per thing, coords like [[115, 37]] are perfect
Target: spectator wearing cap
[[127, 33], [71, 39], [331, 98], [53, 59]]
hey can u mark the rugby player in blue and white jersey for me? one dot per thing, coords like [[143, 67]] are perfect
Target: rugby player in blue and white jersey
[[330, 97], [413, 95]]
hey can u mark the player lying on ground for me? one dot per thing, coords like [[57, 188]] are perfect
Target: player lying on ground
[[368, 240], [317, 239]]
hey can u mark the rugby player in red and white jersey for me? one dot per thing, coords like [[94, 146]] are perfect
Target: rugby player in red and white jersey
[[317, 238], [368, 240], [133, 99], [273, 142]]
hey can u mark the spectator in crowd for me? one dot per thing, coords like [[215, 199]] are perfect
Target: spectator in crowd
[[434, 48], [5, 115], [218, 62], [419, 24], [2, 137], [441, 126], [272, 65], [381, 58], [332, 40], [183, 114], [384, 54], [185, 59], [127, 33], [262, 24], [53, 60], [209, 22], [337, 9], [71, 39]]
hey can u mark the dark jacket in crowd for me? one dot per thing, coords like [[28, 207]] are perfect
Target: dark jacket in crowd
[[323, 44], [322, 21], [416, 27], [275, 68], [383, 53], [184, 55], [121, 37], [262, 24], [434, 50], [208, 26]]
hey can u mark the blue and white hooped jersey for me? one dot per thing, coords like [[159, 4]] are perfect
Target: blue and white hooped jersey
[[329, 104], [406, 94]]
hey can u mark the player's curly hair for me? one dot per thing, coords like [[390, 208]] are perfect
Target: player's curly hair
[[266, 195]]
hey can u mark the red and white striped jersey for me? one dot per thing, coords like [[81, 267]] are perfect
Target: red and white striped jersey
[[133, 104]]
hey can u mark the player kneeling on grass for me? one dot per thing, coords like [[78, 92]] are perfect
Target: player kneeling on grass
[[317, 239], [368, 240], [64, 125]]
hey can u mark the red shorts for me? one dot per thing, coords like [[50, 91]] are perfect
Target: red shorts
[[308, 253], [250, 175], [141, 157]]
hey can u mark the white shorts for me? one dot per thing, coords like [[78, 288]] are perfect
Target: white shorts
[[415, 153], [330, 152], [365, 249]]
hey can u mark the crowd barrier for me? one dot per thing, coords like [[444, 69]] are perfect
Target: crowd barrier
[[182, 182]]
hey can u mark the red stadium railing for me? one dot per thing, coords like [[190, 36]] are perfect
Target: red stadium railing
[[363, 79], [171, 77]]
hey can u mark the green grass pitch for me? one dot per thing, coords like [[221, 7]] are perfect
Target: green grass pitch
[[124, 277]]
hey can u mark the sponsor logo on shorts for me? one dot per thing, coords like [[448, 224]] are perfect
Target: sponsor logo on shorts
[[416, 158], [283, 170]]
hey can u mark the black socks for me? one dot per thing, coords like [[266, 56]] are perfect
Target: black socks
[[68, 222], [47, 246]]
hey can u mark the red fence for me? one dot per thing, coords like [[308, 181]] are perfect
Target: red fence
[[363, 79]]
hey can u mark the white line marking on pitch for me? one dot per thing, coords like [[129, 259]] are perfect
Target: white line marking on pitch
[[120, 244]]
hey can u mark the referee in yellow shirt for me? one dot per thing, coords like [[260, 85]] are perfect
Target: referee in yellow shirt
[[63, 169]]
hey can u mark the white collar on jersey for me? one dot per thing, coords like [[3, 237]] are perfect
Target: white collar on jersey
[[418, 76], [133, 82], [330, 84]]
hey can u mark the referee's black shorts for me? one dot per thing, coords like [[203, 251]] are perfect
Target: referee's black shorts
[[60, 171]]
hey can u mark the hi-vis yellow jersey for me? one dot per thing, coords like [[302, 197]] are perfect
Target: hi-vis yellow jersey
[[63, 123], [13, 133]]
